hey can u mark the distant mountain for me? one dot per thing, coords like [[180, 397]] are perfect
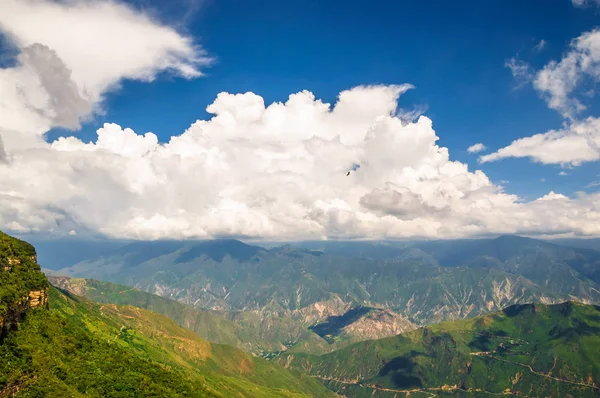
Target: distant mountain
[[592, 243], [563, 270], [525, 350], [425, 281], [60, 253], [72, 347], [375, 250]]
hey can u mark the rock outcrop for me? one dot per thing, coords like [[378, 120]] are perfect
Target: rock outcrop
[[23, 286], [38, 298]]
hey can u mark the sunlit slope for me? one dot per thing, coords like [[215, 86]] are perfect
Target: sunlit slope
[[244, 330], [84, 348], [526, 350]]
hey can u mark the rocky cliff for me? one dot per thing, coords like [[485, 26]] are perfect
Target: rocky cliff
[[22, 284]]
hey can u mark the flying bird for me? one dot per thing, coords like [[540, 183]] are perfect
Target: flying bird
[[347, 174]]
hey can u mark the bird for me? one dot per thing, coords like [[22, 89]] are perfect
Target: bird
[[347, 174]]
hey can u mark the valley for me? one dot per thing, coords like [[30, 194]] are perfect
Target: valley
[[308, 298], [416, 323], [525, 350]]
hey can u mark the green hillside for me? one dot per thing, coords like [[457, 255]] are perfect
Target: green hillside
[[69, 346], [19, 276], [245, 331], [525, 350], [88, 349]]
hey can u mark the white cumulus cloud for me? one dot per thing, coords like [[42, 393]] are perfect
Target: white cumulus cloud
[[275, 171], [73, 52], [476, 148]]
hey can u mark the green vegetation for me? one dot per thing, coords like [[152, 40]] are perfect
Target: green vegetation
[[79, 348], [85, 349], [246, 331], [526, 350], [19, 274]]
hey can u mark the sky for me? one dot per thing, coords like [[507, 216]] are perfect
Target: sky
[[203, 118]]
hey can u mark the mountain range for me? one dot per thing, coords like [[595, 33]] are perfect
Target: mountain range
[[299, 292], [528, 350], [325, 324]]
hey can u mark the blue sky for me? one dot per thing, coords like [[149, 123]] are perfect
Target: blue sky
[[256, 171], [453, 54]]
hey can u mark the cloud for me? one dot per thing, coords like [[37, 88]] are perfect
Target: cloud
[[64, 104], [520, 70], [552, 196], [413, 114], [72, 53], [576, 144], [563, 173], [584, 3], [540, 46], [558, 82], [593, 184], [274, 171], [3, 156], [476, 148]]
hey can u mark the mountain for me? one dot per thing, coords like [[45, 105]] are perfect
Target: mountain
[[247, 284], [422, 282], [247, 331], [362, 323], [69, 346], [60, 253], [563, 269], [375, 250], [235, 329], [591, 243], [528, 350]]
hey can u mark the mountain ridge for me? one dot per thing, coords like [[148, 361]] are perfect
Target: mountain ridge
[[524, 350], [74, 347], [420, 282]]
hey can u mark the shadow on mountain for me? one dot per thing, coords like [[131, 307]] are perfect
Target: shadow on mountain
[[139, 252], [574, 332], [519, 309], [218, 249], [334, 324], [402, 371], [483, 342]]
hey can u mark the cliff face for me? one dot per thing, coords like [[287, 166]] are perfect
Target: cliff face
[[23, 286]]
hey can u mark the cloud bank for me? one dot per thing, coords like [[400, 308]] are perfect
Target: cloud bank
[[275, 171]]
